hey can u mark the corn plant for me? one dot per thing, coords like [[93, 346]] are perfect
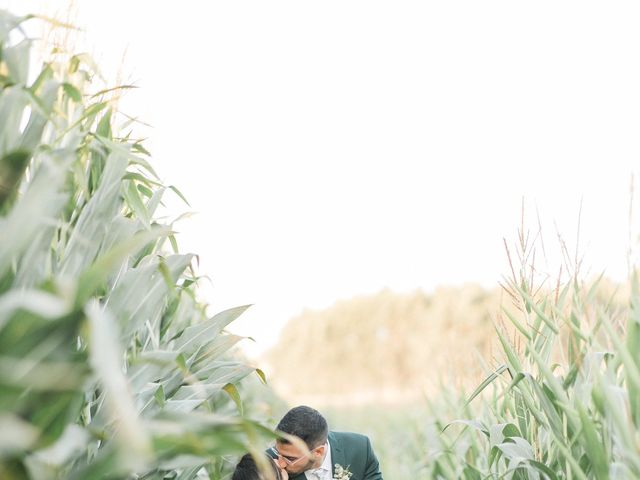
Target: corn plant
[[565, 401], [109, 366]]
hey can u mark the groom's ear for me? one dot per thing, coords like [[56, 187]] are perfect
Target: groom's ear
[[319, 451]]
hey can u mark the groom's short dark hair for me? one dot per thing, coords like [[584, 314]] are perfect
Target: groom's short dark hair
[[305, 423]]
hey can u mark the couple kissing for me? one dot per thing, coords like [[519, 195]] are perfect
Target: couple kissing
[[331, 455]]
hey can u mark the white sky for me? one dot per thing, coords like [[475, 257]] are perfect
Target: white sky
[[335, 148]]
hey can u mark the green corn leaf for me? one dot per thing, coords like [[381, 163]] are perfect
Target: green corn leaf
[[12, 168], [134, 201], [521, 328], [487, 381], [205, 332], [597, 454], [73, 93], [104, 267], [233, 393], [262, 376], [104, 125]]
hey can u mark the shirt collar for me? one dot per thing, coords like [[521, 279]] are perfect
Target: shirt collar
[[326, 463]]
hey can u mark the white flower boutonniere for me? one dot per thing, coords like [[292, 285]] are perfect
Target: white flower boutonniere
[[341, 473]]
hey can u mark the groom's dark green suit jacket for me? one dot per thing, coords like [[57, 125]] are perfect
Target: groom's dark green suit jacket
[[352, 451]]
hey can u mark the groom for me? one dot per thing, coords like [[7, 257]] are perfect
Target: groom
[[332, 455]]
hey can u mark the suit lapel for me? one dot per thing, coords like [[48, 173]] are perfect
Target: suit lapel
[[337, 456], [337, 452]]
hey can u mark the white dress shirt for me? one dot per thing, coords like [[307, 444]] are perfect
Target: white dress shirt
[[324, 471]]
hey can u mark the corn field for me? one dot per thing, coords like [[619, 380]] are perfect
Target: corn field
[[110, 367], [565, 403]]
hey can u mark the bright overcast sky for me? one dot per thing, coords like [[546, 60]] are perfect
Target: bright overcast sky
[[336, 148]]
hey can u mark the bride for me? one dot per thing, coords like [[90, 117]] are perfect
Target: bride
[[247, 469]]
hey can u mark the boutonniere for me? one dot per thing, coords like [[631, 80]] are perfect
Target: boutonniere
[[341, 473]]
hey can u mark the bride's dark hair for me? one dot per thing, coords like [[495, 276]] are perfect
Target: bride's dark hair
[[247, 469]]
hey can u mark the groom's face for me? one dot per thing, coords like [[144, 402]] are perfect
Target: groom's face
[[294, 460]]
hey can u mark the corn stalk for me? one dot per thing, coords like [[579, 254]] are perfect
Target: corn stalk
[[109, 366]]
